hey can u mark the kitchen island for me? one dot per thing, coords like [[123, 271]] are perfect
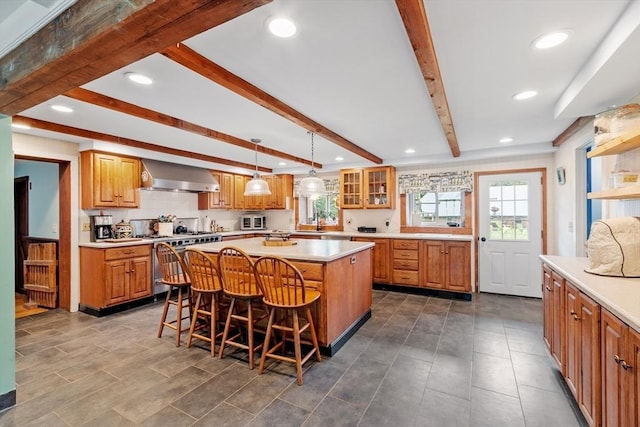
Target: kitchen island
[[341, 270]]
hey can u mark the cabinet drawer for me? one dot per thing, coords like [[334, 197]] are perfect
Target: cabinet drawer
[[310, 270], [405, 277], [405, 254], [401, 264], [405, 244], [127, 252]]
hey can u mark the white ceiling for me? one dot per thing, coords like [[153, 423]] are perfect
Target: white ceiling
[[351, 68]]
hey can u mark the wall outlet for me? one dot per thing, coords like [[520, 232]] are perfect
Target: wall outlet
[[349, 220], [86, 226], [387, 222]]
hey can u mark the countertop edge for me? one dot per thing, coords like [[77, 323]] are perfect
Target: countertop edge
[[385, 235], [572, 268], [101, 245]]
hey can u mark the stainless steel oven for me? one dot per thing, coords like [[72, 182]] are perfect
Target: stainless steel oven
[[179, 243]]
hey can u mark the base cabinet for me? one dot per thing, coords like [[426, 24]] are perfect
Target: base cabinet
[[115, 275], [447, 265], [381, 257]]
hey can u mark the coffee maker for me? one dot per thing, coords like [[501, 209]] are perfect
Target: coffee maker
[[101, 226]]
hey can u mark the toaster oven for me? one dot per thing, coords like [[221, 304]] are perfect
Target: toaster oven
[[253, 222]]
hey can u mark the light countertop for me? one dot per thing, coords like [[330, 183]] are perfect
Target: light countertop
[[304, 250], [107, 245], [381, 235], [621, 296]]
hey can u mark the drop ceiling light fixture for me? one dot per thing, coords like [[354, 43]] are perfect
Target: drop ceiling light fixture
[[409, 151], [339, 159], [552, 39], [256, 186], [139, 78], [505, 140], [62, 108], [282, 27], [311, 186], [525, 95]]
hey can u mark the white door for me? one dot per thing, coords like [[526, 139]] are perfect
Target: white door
[[510, 233]]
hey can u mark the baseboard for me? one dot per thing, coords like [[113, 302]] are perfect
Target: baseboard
[[7, 400]]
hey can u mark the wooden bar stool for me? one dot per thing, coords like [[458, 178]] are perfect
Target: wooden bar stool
[[284, 293], [238, 281], [174, 274], [206, 289]]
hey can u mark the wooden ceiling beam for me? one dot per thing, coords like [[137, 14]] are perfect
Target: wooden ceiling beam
[[573, 128], [416, 24], [95, 37], [124, 107], [105, 137], [192, 60]]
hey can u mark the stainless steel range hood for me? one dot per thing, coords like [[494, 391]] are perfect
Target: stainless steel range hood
[[157, 175]]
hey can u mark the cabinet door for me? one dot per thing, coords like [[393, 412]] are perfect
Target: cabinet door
[[613, 332], [105, 191], [572, 361], [557, 344], [547, 318], [381, 259], [379, 185], [351, 188], [633, 379], [116, 281], [238, 191], [589, 359], [458, 266], [140, 277], [227, 182], [128, 183], [211, 200], [433, 266]]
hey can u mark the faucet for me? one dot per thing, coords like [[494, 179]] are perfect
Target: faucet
[[318, 226]]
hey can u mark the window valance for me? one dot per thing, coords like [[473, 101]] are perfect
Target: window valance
[[436, 182]]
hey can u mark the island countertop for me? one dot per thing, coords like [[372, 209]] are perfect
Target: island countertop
[[303, 250]]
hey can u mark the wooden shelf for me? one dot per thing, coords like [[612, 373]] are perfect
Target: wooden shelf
[[616, 146], [617, 193]]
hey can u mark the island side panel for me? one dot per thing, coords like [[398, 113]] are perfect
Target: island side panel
[[348, 292]]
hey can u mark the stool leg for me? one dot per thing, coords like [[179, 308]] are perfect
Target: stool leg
[[194, 319], [213, 322], [226, 327], [179, 317], [314, 337], [250, 331], [165, 309], [296, 345], [267, 339]]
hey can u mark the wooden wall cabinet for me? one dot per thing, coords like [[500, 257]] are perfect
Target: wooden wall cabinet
[[109, 181], [114, 275], [222, 199], [446, 265], [281, 187], [582, 361], [369, 188], [381, 258]]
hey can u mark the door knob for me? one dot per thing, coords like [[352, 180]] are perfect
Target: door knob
[[483, 239]]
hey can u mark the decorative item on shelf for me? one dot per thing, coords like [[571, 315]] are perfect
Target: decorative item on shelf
[[123, 230], [164, 225], [256, 186], [311, 186]]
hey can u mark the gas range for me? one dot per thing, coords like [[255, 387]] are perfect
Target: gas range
[[184, 239]]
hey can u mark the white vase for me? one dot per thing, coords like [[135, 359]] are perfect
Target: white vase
[[165, 229]]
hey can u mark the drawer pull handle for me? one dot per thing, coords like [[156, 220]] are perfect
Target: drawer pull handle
[[624, 365], [548, 288], [127, 251], [617, 359]]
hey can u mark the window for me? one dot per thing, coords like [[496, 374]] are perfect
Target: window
[[322, 212], [435, 209], [509, 206]]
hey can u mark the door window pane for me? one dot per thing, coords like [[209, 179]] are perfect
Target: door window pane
[[509, 210]]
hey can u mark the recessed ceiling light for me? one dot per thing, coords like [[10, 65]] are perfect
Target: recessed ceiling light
[[339, 158], [282, 27], [550, 40], [409, 151], [282, 164], [525, 95], [505, 140], [62, 108], [139, 78], [20, 126]]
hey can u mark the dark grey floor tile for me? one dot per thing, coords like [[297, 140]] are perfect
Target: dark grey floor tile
[[360, 382], [39, 387], [451, 375], [545, 408], [492, 343], [489, 323], [224, 415], [454, 343], [442, 410], [421, 345], [260, 392], [318, 380], [494, 373], [351, 351], [110, 419], [524, 341], [49, 420], [430, 322], [335, 413], [280, 413], [534, 371], [490, 409], [169, 416]]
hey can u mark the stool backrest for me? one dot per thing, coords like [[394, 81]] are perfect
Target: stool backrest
[[202, 271], [235, 268], [280, 281], [171, 264]]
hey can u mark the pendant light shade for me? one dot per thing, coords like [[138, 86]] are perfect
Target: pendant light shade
[[311, 186], [256, 186]]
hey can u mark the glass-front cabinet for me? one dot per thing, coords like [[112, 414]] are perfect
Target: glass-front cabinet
[[351, 188], [369, 188]]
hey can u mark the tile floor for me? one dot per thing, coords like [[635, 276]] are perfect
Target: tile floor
[[419, 361]]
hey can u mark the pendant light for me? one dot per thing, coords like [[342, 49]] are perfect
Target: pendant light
[[256, 186], [311, 186]]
